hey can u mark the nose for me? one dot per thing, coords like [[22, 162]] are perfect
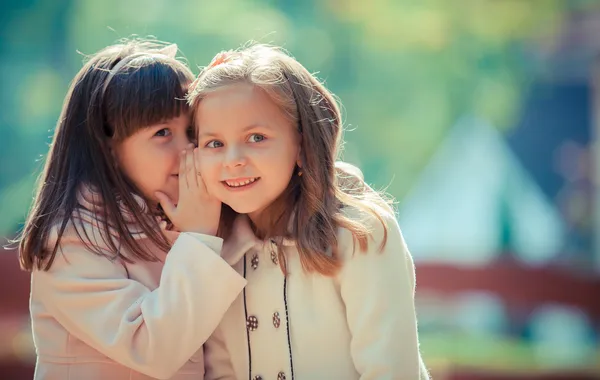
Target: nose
[[234, 157]]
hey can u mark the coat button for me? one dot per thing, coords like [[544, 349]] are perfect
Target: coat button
[[257, 377], [281, 376], [252, 323], [276, 320], [254, 261]]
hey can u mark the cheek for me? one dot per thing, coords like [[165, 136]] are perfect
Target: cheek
[[155, 165], [159, 163], [133, 167], [286, 159], [208, 166]]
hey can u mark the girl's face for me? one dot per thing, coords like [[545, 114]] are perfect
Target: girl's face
[[248, 148], [150, 157]]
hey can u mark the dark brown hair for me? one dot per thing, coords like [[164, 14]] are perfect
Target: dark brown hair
[[314, 201], [121, 89]]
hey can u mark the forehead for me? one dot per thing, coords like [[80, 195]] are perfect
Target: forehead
[[145, 93], [237, 106]]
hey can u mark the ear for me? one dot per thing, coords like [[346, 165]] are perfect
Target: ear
[[170, 50]]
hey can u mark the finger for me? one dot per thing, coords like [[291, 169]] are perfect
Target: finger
[[190, 166], [182, 180], [203, 189], [166, 204], [201, 184]]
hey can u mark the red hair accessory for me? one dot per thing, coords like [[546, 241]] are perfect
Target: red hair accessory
[[222, 57]]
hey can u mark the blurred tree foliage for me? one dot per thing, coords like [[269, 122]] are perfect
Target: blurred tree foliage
[[405, 70]]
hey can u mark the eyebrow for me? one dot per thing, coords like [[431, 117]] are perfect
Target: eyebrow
[[245, 129]]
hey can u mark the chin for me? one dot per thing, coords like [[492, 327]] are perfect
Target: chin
[[174, 197], [243, 208]]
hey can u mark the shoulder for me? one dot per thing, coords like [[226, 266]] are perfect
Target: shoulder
[[89, 224], [81, 239], [386, 252], [377, 222], [82, 225], [81, 244]]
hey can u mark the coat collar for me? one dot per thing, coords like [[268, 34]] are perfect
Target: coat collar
[[242, 240]]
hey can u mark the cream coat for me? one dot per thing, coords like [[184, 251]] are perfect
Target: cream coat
[[98, 317], [360, 324]]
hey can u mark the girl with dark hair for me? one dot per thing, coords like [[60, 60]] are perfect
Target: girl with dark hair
[[122, 288]]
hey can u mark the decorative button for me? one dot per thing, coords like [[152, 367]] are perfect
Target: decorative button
[[276, 320], [274, 257], [252, 323], [254, 261], [281, 376], [257, 377]]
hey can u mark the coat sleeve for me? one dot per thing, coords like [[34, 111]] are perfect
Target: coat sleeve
[[150, 331], [377, 287], [217, 358]]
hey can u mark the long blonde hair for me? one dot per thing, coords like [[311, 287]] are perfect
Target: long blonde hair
[[313, 202]]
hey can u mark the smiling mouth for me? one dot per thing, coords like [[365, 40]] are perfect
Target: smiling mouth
[[239, 183]]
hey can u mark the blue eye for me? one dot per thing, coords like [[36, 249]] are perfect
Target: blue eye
[[256, 137], [214, 144], [163, 133]]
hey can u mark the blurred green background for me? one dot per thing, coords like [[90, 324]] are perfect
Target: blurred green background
[[476, 115]]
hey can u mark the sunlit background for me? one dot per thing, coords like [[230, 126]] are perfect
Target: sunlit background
[[478, 116]]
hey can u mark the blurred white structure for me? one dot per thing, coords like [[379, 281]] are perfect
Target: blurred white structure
[[474, 199]]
